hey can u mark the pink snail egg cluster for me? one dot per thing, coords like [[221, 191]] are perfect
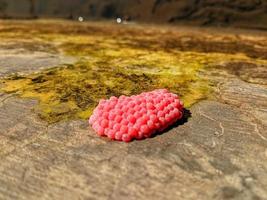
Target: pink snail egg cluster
[[136, 117]]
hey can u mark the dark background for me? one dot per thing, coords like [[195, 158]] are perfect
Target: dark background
[[238, 13]]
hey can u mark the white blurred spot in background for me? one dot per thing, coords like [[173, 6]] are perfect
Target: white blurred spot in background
[[80, 19], [119, 20]]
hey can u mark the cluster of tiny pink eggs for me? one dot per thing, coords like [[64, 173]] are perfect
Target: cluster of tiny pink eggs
[[136, 117]]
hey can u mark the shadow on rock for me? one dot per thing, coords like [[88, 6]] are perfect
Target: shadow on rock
[[187, 114]]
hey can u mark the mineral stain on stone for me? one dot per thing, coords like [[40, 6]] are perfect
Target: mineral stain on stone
[[110, 65]]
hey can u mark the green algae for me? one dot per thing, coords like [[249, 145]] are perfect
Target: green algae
[[73, 91], [111, 66]]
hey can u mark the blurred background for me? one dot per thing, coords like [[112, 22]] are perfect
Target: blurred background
[[236, 13]]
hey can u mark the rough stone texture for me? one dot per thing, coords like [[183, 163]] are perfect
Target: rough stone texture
[[210, 157], [19, 125], [220, 152], [25, 61], [248, 72], [235, 88], [248, 97]]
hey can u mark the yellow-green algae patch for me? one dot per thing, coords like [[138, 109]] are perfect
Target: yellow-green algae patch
[[112, 66], [72, 91]]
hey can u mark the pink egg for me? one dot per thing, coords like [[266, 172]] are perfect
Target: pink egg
[[131, 111], [124, 122], [136, 117], [118, 135], [150, 106], [144, 129], [131, 118], [105, 115], [111, 134], [137, 108], [111, 124], [132, 132], [118, 118], [111, 116], [150, 124], [116, 127], [113, 98], [160, 114], [125, 109], [131, 104], [104, 123], [126, 138], [100, 131], [154, 118], [124, 129], [137, 125], [140, 136]]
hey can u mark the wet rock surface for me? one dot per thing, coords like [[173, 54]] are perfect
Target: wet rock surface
[[219, 152]]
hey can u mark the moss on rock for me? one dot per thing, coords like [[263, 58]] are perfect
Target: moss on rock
[[111, 66]]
